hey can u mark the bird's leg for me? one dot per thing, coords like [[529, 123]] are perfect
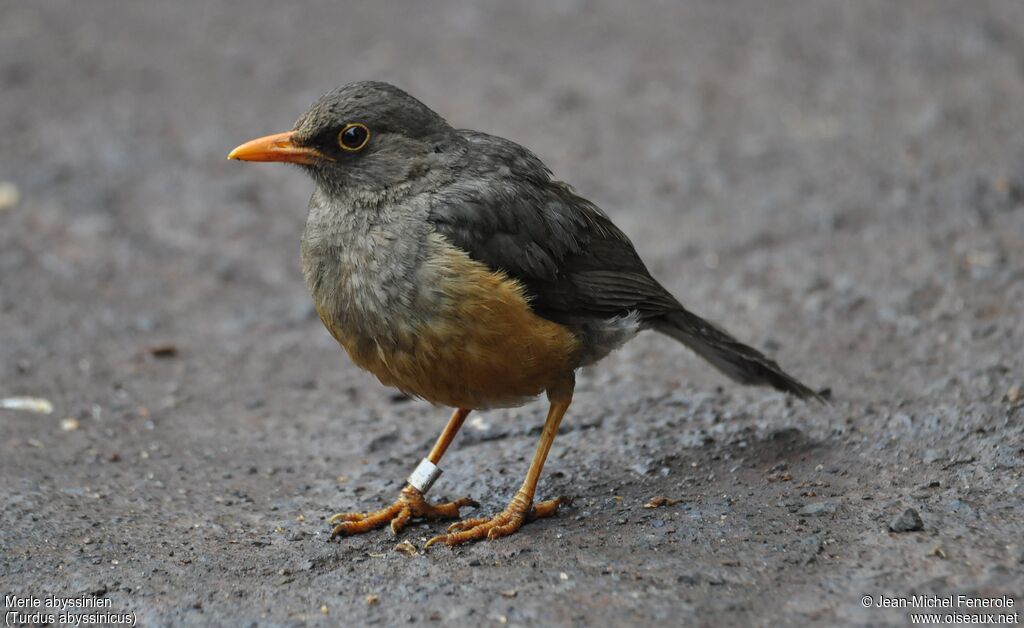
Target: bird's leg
[[410, 502], [521, 509]]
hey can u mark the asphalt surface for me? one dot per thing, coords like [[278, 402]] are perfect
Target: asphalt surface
[[839, 183]]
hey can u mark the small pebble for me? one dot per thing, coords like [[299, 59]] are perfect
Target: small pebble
[[407, 548], [659, 501], [28, 404], [818, 509], [907, 521], [9, 195], [163, 351]]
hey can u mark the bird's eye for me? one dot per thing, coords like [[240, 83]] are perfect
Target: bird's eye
[[354, 137]]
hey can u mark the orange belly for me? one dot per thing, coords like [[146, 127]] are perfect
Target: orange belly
[[484, 347]]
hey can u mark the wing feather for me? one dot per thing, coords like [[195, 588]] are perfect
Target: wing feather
[[511, 215]]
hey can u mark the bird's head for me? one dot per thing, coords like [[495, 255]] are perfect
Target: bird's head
[[362, 138]]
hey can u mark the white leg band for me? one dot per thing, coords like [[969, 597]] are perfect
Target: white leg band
[[424, 476]]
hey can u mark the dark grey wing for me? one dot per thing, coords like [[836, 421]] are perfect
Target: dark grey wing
[[575, 264]]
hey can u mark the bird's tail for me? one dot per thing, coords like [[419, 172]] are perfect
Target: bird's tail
[[741, 363]]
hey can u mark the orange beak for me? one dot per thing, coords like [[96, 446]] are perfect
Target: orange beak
[[278, 147]]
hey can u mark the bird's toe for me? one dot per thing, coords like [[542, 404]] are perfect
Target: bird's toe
[[506, 522], [410, 504]]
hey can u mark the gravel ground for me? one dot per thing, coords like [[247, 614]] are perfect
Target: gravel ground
[[840, 183]]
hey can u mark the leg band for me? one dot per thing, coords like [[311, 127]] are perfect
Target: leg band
[[424, 476]]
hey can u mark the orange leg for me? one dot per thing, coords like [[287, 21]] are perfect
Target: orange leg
[[448, 435], [521, 509], [410, 502]]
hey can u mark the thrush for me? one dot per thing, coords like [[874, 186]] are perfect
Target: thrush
[[454, 267]]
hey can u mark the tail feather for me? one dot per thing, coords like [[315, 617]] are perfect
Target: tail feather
[[738, 361]]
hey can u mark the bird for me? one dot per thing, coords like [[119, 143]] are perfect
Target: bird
[[453, 266]]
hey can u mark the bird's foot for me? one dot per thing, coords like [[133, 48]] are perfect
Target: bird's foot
[[519, 511], [410, 503]]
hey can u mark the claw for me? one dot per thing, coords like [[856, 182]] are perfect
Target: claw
[[466, 524], [548, 508], [410, 503], [346, 516], [506, 522], [400, 520]]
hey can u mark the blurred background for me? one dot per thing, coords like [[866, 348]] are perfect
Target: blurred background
[[839, 183]]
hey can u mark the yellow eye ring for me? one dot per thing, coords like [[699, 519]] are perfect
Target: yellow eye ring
[[354, 137]]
